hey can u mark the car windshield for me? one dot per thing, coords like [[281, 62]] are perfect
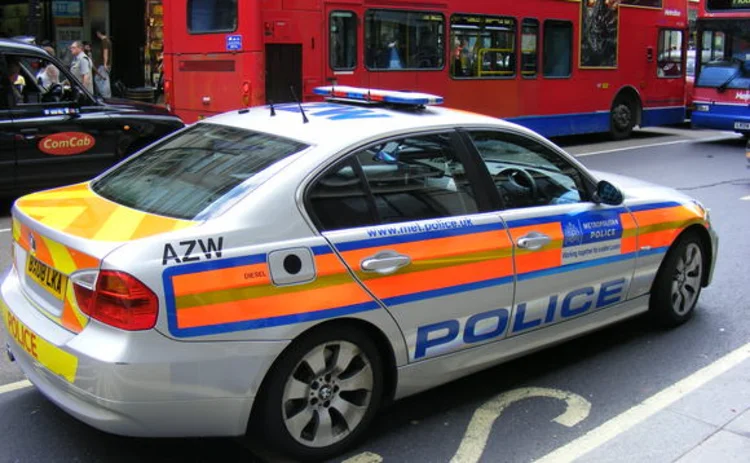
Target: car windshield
[[197, 172]]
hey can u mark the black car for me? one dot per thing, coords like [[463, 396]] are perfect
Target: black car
[[55, 132]]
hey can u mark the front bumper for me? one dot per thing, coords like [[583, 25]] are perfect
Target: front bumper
[[135, 383], [714, 254], [720, 117]]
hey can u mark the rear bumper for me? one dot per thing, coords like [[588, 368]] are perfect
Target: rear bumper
[[136, 384]]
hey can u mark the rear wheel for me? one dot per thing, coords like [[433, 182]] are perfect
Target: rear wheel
[[678, 284], [622, 118], [322, 394]]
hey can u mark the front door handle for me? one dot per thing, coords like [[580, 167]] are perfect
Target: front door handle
[[533, 241], [385, 262]]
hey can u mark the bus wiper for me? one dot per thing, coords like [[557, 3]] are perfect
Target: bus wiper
[[723, 87]]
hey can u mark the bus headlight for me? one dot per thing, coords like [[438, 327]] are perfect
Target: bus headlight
[[701, 107]]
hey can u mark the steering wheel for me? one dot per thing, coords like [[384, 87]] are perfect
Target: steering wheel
[[53, 94], [518, 182]]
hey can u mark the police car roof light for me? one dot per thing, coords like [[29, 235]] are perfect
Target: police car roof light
[[395, 97]]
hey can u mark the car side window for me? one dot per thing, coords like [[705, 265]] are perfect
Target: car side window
[[37, 80], [338, 198], [527, 173], [405, 179]]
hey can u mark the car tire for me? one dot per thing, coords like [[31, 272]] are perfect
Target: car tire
[[678, 282], [322, 394]]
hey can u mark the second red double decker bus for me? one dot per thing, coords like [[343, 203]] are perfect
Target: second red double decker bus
[[560, 67]]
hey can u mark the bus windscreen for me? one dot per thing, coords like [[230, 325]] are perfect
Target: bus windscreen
[[724, 5]]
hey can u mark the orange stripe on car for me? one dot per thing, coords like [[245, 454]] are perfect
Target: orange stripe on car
[[272, 306]]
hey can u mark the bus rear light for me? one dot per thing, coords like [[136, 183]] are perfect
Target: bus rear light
[[168, 94], [117, 299], [246, 89]]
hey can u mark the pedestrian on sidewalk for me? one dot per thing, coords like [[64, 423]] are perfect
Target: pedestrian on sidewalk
[[81, 67], [104, 70]]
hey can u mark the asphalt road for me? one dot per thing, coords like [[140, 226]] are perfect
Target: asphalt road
[[611, 370]]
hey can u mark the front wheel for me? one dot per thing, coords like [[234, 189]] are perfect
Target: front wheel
[[322, 394], [678, 283]]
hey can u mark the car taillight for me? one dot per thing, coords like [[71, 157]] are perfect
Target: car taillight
[[117, 299]]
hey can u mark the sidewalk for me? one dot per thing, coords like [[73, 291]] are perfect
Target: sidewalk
[[710, 424]]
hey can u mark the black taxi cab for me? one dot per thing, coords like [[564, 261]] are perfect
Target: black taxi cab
[[54, 132]]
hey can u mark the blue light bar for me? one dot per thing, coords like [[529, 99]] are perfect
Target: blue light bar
[[378, 96]]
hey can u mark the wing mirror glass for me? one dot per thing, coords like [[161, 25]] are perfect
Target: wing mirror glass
[[606, 193]]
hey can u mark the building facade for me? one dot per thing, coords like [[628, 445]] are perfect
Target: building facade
[[134, 27]]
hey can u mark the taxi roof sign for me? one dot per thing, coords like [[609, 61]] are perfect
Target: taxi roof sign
[[368, 95]]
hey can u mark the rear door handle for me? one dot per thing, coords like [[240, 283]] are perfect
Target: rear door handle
[[533, 241], [385, 262], [29, 133]]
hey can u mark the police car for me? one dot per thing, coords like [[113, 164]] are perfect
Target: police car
[[54, 132], [281, 272]]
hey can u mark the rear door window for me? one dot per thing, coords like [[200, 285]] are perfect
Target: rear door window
[[210, 16], [197, 172]]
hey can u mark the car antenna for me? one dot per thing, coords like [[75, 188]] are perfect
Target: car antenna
[[273, 111], [294, 95]]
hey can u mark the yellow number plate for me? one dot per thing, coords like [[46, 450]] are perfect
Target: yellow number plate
[[49, 278]]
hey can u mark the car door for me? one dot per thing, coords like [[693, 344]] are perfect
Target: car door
[[7, 153], [62, 135], [411, 219], [572, 256]]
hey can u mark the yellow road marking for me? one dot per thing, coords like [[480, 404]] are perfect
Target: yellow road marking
[[478, 432]]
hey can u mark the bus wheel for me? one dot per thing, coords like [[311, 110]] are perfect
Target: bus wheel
[[622, 118], [322, 394]]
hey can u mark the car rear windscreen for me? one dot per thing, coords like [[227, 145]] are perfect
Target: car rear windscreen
[[201, 166]]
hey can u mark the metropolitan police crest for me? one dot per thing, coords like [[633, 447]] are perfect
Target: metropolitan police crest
[[573, 234]]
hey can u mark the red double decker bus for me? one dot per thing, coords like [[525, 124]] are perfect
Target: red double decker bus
[[560, 67], [721, 97]]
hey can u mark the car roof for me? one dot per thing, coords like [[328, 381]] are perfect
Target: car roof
[[18, 46], [343, 124]]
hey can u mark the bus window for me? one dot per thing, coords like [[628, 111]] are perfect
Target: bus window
[[558, 46], [342, 40], [669, 55], [483, 46], [210, 16], [529, 47], [403, 40]]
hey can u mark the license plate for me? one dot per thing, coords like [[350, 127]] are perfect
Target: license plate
[[47, 277], [742, 125]]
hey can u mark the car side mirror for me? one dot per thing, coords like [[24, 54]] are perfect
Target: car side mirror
[[606, 193]]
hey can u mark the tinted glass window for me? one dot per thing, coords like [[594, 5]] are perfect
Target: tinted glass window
[[404, 40], [201, 167], [529, 47], [343, 40], [558, 48], [417, 178], [527, 173], [339, 200], [483, 46], [669, 62], [207, 16]]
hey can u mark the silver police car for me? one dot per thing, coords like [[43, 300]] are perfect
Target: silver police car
[[289, 269]]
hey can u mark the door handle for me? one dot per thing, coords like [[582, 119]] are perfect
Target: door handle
[[533, 241], [385, 262], [29, 133]]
